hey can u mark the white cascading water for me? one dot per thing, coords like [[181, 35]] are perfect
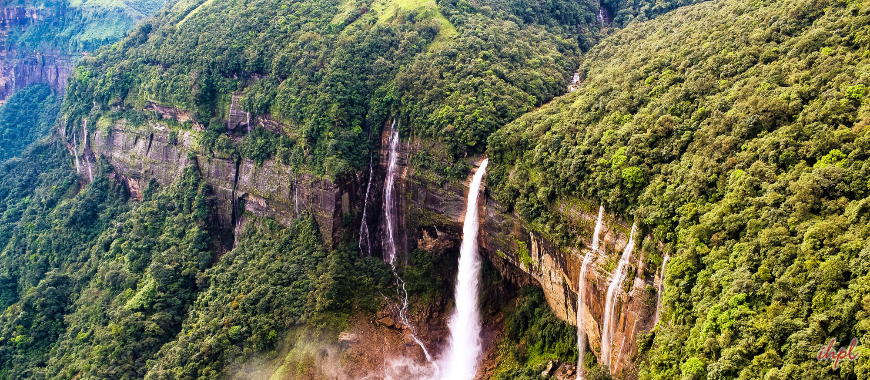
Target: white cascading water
[[581, 297], [615, 282], [76, 153], [364, 226], [621, 346], [85, 142], [390, 213], [389, 183], [465, 345], [661, 289]]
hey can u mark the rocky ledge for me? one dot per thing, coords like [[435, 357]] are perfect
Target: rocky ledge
[[139, 154], [431, 213]]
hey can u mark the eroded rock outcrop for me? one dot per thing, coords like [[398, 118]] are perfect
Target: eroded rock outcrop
[[272, 189], [19, 69], [434, 216], [430, 213]]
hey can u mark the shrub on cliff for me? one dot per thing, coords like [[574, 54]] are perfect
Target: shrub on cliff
[[736, 133]]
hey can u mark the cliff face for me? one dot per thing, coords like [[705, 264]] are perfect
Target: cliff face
[[434, 212], [19, 69], [272, 189], [40, 44], [430, 216]]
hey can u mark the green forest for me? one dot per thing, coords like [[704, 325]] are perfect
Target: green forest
[[74, 26], [331, 72], [744, 149], [733, 133], [26, 116]]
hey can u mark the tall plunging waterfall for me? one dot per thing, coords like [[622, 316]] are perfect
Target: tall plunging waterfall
[[364, 226], [661, 289], [581, 297], [615, 282], [389, 182], [465, 345], [390, 244]]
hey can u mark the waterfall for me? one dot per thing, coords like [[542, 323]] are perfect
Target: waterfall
[[602, 17], [615, 282], [84, 150], [661, 289], [230, 113], [581, 297], [76, 153], [621, 346], [465, 345], [90, 172], [389, 183], [364, 226], [390, 213]]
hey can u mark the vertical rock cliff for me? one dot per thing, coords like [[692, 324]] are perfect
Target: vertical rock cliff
[[434, 215], [20, 68], [430, 213], [139, 154], [40, 43]]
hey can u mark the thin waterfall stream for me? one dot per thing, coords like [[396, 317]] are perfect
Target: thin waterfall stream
[[615, 282], [76, 153], [465, 348], [85, 145], [581, 297], [391, 219], [364, 226], [389, 183]]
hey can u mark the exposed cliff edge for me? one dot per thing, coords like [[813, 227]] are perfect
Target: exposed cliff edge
[[17, 72], [430, 217], [524, 256], [21, 68], [272, 189], [41, 43]]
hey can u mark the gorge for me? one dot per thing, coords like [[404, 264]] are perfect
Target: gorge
[[342, 189], [44, 39], [431, 215]]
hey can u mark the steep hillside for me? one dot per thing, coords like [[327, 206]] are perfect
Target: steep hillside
[[228, 153], [327, 74], [214, 120], [40, 40], [736, 134], [26, 116]]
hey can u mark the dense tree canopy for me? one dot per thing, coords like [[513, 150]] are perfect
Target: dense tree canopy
[[735, 132], [72, 26], [331, 72], [26, 116]]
